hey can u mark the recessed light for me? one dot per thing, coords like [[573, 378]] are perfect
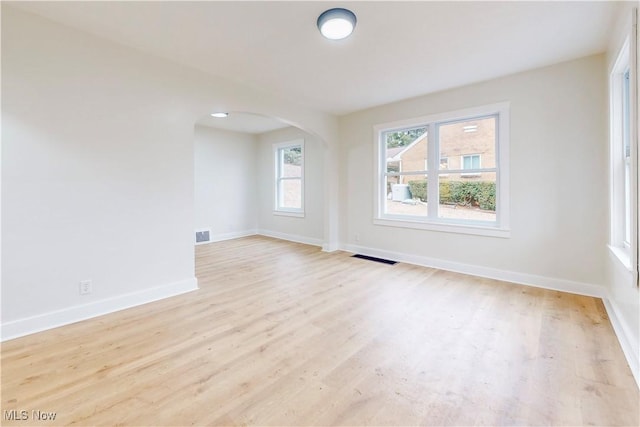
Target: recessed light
[[336, 24], [219, 115]]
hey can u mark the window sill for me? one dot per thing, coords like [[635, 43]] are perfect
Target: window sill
[[288, 213], [478, 230], [622, 255]]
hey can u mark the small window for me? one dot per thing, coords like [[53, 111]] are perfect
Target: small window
[[471, 163], [289, 182], [444, 163]]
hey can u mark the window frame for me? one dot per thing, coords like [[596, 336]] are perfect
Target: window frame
[[278, 148], [499, 228], [623, 236]]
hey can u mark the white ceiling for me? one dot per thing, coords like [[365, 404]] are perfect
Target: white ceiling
[[243, 122], [398, 50]]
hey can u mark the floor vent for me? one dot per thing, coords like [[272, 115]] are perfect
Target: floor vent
[[372, 258], [203, 236]]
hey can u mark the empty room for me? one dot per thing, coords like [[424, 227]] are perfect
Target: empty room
[[295, 213]]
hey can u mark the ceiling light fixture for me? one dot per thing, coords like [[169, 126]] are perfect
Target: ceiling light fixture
[[219, 115], [336, 24]]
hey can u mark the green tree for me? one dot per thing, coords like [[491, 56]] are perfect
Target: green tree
[[404, 137], [293, 156]]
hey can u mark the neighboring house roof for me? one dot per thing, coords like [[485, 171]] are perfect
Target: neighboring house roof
[[396, 153], [392, 152]]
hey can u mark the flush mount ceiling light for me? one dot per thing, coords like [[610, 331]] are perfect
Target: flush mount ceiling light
[[219, 115], [336, 24]]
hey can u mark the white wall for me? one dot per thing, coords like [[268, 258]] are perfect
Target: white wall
[[226, 196], [623, 304], [96, 176], [98, 170], [234, 185], [309, 229], [558, 166]]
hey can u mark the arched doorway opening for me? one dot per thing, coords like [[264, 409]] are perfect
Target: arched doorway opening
[[235, 179]]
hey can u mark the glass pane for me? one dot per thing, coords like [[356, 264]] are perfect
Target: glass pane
[[291, 161], [467, 198], [626, 113], [627, 203], [470, 144], [406, 150], [393, 166], [291, 193], [406, 195]]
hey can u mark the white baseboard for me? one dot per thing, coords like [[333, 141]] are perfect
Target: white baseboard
[[269, 233], [627, 340], [54, 319], [291, 237], [233, 235], [563, 285]]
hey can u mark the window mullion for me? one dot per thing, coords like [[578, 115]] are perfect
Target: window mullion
[[433, 163]]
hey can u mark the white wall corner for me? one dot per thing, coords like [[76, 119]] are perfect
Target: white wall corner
[[331, 246], [291, 237], [627, 340], [54, 319]]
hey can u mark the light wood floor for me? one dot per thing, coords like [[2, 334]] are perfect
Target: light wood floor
[[284, 334]]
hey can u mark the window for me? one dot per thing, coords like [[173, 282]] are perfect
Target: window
[[626, 138], [289, 173], [471, 163], [623, 166], [458, 160], [444, 163]]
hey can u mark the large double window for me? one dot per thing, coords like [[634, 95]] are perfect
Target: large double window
[[447, 172]]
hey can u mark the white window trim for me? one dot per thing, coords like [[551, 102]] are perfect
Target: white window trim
[[277, 209], [625, 252], [501, 226]]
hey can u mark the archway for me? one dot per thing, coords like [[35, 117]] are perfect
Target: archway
[[234, 182]]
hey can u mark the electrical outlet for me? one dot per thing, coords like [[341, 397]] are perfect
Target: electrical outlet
[[86, 287], [357, 236]]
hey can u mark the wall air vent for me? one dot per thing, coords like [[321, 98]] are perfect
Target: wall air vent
[[203, 236]]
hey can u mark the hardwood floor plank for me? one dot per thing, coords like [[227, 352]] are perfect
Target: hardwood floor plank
[[282, 333]]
